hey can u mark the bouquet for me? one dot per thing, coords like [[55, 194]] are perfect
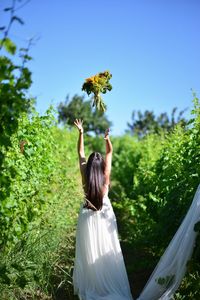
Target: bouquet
[[98, 84]]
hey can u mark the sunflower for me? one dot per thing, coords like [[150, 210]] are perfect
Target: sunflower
[[98, 84]]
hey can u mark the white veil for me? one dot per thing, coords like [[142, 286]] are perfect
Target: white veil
[[171, 268]]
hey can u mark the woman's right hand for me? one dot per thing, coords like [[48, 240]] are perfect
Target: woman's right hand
[[79, 124], [106, 137]]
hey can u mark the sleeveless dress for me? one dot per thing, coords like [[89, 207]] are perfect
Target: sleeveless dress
[[99, 269]]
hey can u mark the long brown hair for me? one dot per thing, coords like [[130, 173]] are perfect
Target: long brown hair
[[95, 180]]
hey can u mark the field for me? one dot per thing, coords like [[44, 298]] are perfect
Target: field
[[153, 183]]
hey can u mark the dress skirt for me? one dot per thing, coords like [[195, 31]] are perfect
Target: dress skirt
[[99, 269]]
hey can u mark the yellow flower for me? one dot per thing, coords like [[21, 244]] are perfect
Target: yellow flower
[[97, 84]]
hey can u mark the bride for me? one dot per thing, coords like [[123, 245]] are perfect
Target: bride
[[99, 270]]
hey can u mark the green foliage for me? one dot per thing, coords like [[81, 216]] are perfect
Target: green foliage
[[159, 175], [38, 264], [126, 155], [15, 80], [175, 177], [27, 169], [166, 281], [9, 46], [94, 121], [190, 287], [39, 191], [165, 171], [95, 143], [147, 123]]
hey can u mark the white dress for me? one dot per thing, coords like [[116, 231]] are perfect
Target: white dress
[[99, 269], [99, 272]]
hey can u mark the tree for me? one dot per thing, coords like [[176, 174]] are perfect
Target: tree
[[94, 120], [15, 81], [147, 122]]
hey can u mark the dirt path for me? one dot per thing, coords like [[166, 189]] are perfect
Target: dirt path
[[137, 274]]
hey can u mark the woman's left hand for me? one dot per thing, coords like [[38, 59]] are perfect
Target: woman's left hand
[[79, 124]]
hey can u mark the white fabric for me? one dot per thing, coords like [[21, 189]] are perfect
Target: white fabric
[[174, 260], [99, 270]]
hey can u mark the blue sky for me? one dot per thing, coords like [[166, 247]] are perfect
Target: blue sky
[[152, 48]]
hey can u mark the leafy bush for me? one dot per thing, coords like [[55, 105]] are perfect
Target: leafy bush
[[27, 168], [159, 175], [39, 214]]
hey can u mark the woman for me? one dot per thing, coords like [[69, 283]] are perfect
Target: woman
[[99, 270]]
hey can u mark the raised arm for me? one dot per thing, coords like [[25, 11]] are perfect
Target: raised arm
[[108, 160], [80, 148]]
